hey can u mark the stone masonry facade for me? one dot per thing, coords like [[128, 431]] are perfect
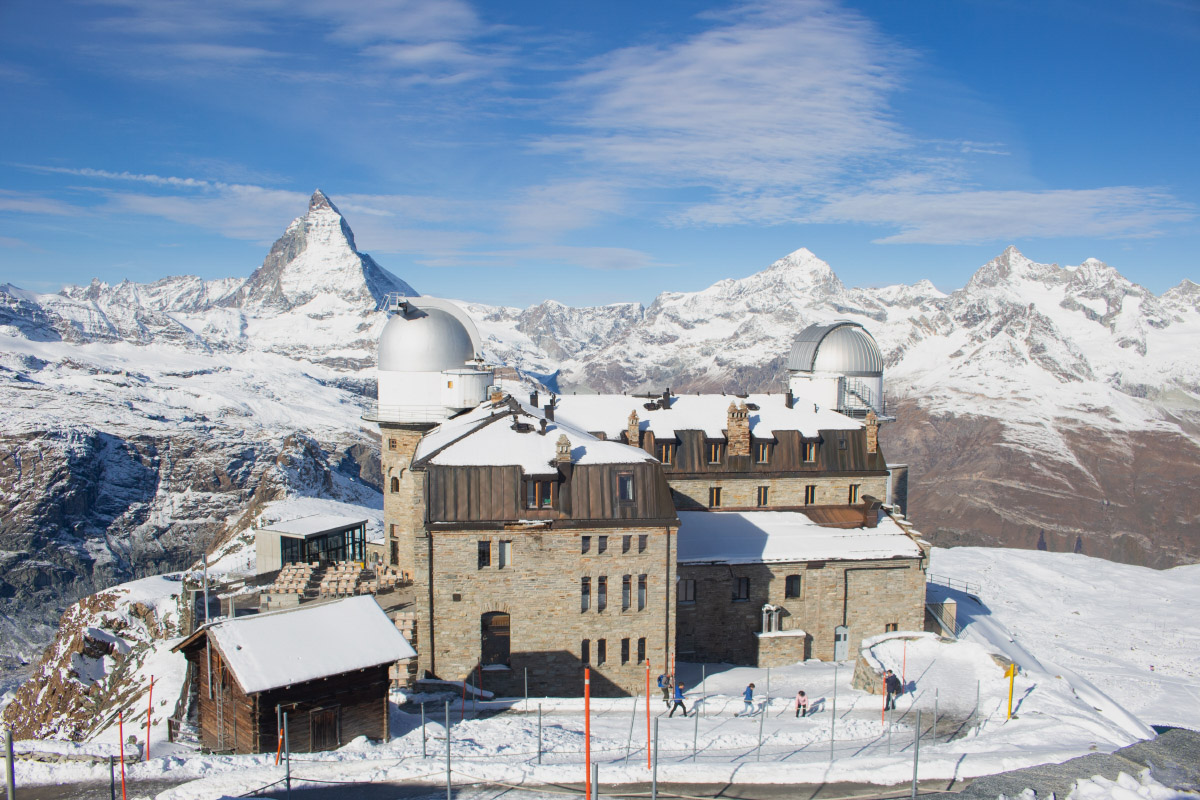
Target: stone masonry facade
[[866, 596], [742, 493], [540, 588], [403, 493]]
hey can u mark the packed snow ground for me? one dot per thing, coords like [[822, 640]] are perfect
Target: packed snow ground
[[1065, 704]]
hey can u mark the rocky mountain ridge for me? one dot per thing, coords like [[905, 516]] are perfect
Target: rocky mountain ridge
[[1039, 406]]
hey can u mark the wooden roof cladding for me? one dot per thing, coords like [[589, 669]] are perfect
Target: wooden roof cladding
[[582, 494], [691, 455]]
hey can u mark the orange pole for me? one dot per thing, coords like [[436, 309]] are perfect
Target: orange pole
[[149, 711], [121, 734], [883, 713], [647, 713], [587, 731], [279, 749]]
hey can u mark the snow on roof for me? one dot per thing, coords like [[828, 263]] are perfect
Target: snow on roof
[[469, 440], [281, 648], [315, 525], [706, 412], [754, 537]]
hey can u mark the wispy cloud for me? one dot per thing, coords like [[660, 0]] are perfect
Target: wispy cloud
[[25, 203], [973, 217]]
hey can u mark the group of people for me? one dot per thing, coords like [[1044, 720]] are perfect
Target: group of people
[[672, 691]]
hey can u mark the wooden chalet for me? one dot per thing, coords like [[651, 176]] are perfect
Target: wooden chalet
[[325, 664]]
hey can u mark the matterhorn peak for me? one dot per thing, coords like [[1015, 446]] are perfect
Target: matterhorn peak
[[319, 202]]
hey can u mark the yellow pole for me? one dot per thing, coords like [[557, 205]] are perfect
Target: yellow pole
[[1012, 676]]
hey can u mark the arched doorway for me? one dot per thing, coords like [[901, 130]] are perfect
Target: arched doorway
[[495, 628]]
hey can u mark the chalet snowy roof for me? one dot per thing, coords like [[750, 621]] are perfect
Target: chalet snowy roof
[[281, 648], [706, 412], [756, 537], [314, 525], [506, 433]]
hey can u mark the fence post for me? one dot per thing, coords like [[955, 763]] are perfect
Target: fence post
[[833, 713], [768, 689], [10, 774], [287, 750], [448, 780], [632, 725], [976, 697], [933, 730], [762, 720], [424, 746], [112, 778], [527, 690], [703, 677], [539, 733], [916, 752], [596, 781], [889, 731], [121, 736], [654, 769], [695, 731]]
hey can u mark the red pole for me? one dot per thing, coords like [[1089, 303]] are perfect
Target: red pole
[[121, 734], [279, 749], [149, 711], [647, 713], [883, 713], [587, 731]]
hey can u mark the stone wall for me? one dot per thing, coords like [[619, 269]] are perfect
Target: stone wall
[[540, 589], [742, 493], [866, 596], [781, 649], [403, 507]]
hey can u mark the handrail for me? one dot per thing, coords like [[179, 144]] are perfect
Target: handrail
[[953, 583]]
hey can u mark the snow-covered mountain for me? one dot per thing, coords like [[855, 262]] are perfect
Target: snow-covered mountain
[[1039, 406]]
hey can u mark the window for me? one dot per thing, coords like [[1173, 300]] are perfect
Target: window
[[624, 651], [395, 485], [853, 498], [762, 452], [539, 494], [626, 543], [741, 589], [687, 591], [810, 495], [891, 627], [666, 453], [625, 487], [393, 444], [601, 544], [505, 554], [715, 452], [495, 628], [810, 451], [585, 595], [764, 492], [395, 554], [585, 544], [601, 651], [714, 497], [626, 592], [601, 593], [485, 553], [842, 443], [791, 586], [641, 649], [642, 542], [641, 592], [393, 530], [585, 651]]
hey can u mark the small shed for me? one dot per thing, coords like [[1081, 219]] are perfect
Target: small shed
[[326, 664], [317, 539]]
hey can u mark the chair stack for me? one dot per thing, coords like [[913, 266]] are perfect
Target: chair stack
[[292, 579], [341, 579]]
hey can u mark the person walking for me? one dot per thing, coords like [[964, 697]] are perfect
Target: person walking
[[678, 701], [748, 699], [801, 704], [891, 685], [664, 685]]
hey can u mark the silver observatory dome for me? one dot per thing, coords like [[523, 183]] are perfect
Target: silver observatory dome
[[842, 347], [424, 340]]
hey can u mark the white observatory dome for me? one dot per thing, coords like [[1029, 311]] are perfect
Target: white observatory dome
[[431, 340], [842, 347]]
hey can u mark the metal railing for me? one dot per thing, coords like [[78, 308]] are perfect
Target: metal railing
[[954, 583]]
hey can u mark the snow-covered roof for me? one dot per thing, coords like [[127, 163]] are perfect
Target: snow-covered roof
[[481, 438], [315, 525], [281, 648], [706, 412], [755, 537]]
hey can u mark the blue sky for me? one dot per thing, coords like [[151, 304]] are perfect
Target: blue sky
[[512, 151]]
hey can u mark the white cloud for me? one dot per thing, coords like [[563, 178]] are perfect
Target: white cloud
[[542, 213], [971, 217], [25, 203]]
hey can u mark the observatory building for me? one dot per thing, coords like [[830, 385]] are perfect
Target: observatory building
[[837, 366]]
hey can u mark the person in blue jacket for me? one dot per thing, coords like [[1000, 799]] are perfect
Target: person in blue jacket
[[678, 701], [748, 699]]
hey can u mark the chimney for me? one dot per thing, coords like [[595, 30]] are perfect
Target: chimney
[[787, 399], [562, 450], [738, 430], [542, 431], [631, 430], [549, 410], [665, 403], [872, 432], [533, 399]]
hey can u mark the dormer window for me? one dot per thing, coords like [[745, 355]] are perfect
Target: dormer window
[[666, 453], [810, 451], [762, 452], [625, 491], [716, 452], [539, 494]]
